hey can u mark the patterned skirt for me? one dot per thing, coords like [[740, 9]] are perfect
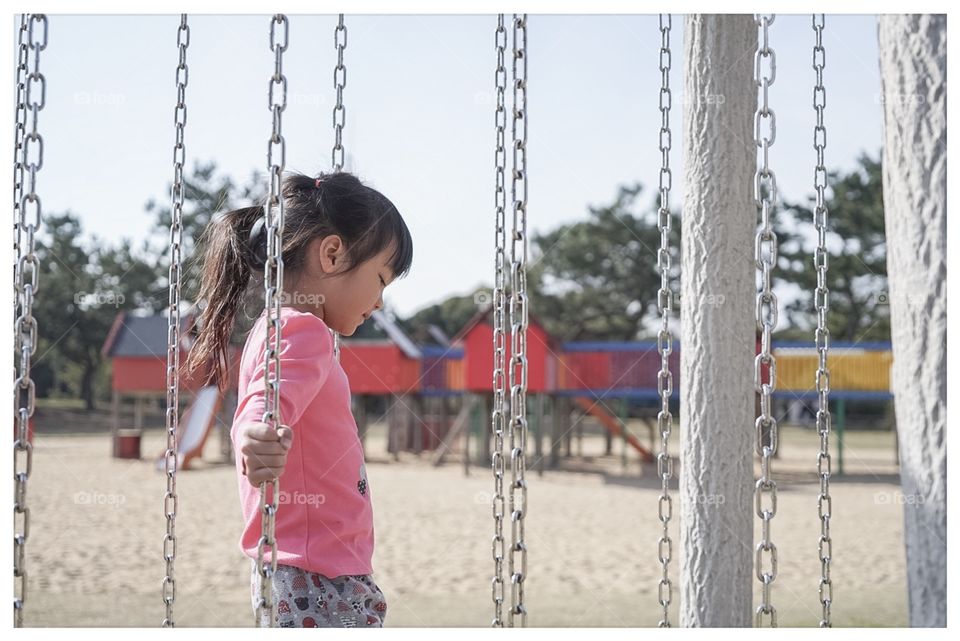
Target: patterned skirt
[[306, 599]]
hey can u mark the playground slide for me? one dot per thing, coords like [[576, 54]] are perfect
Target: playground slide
[[612, 424], [194, 427]]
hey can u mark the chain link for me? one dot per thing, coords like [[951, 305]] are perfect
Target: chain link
[[28, 274], [664, 337], [339, 121], [519, 315], [765, 195], [822, 334], [273, 298], [499, 339], [173, 327]]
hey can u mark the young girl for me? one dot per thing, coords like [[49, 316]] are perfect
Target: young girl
[[343, 243]]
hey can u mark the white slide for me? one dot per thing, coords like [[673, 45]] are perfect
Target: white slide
[[194, 427]]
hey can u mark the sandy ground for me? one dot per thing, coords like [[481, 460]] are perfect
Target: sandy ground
[[94, 554]]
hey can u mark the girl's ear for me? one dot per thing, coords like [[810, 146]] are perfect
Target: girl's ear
[[332, 254]]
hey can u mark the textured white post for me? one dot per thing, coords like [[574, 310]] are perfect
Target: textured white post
[[913, 65], [718, 322]]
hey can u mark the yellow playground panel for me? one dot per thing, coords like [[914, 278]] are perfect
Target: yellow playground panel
[[855, 369]]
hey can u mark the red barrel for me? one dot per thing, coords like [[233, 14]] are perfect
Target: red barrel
[[126, 443]]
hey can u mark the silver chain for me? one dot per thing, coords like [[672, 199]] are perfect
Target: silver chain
[[765, 195], [339, 121], [20, 130], [339, 83], [499, 339], [273, 298], [173, 327], [25, 332], [518, 323], [664, 337], [822, 334]]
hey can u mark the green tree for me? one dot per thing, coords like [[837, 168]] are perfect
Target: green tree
[[451, 315], [77, 301], [597, 279], [590, 280], [857, 264], [205, 193]]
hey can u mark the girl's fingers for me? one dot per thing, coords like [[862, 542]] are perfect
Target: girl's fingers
[[286, 436], [262, 448], [266, 460], [260, 432], [264, 432], [265, 474]]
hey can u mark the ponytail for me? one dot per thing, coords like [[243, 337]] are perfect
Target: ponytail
[[228, 259]]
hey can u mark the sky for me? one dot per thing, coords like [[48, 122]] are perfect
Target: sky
[[419, 104]]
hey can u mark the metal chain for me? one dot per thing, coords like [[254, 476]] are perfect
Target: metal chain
[[822, 334], [664, 337], [25, 332], [173, 326], [20, 130], [519, 315], [339, 83], [339, 121], [765, 195], [273, 298], [499, 339]]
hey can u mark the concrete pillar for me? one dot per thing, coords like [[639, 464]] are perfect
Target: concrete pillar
[[718, 323], [913, 66]]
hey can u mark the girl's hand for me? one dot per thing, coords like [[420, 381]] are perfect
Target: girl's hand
[[264, 451]]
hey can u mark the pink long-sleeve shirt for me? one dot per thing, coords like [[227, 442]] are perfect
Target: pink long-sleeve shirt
[[324, 522]]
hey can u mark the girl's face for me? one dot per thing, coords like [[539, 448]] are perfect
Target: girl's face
[[344, 300]]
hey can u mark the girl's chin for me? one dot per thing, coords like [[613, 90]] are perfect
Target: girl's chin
[[348, 331]]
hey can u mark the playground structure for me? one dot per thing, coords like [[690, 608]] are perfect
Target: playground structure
[[438, 405], [136, 347], [436, 397], [719, 227]]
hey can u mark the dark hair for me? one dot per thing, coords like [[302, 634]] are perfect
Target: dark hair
[[337, 203]]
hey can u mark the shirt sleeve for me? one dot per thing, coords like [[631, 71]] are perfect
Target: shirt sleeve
[[306, 359]]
